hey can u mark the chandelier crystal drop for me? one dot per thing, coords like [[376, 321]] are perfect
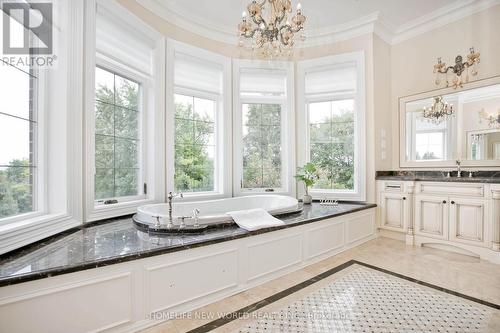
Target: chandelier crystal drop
[[267, 28], [438, 111]]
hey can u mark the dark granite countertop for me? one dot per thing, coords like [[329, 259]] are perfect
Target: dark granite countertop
[[119, 240], [487, 177]]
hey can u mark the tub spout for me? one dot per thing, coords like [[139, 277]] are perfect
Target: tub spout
[[170, 197]]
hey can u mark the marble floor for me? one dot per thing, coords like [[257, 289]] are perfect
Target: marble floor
[[456, 272]]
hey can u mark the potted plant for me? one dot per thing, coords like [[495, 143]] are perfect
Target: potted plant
[[308, 175]]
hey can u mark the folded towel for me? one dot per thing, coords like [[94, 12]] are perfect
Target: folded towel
[[254, 219]]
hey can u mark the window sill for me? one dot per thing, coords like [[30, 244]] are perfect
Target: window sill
[[17, 234], [102, 212]]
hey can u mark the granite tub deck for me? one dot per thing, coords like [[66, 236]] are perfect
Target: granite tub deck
[[486, 177], [118, 240]]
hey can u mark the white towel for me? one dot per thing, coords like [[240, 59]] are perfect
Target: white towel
[[254, 219]]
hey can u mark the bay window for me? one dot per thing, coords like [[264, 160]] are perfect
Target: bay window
[[331, 124], [198, 137], [263, 127]]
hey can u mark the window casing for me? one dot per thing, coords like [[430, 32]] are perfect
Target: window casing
[[331, 125], [124, 163], [198, 129], [263, 128]]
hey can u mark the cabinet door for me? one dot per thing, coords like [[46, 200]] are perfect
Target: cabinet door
[[431, 216], [394, 209], [468, 221]]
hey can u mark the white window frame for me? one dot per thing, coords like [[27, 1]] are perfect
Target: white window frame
[[303, 150], [287, 125], [143, 82], [59, 151], [151, 83], [222, 126]]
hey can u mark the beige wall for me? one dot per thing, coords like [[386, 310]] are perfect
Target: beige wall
[[412, 61]]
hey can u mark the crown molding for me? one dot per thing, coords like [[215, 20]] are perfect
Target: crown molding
[[373, 23]]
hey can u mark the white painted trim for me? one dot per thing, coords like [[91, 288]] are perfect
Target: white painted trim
[[287, 124], [372, 23], [359, 194], [223, 118]]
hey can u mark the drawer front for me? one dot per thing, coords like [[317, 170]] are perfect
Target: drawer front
[[470, 190]]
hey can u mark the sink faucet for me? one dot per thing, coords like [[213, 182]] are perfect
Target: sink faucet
[[459, 172], [170, 197]]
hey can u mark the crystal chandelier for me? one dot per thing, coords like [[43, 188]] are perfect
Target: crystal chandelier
[[456, 71], [438, 111], [274, 35]]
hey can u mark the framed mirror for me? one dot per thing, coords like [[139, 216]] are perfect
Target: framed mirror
[[439, 127]]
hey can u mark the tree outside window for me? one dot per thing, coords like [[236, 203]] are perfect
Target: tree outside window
[[117, 132], [195, 147], [331, 140]]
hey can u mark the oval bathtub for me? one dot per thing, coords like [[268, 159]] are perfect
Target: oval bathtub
[[214, 211]]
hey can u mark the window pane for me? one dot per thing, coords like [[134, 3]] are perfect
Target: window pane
[[195, 144], [15, 142], [104, 86], [261, 145], [126, 153], [126, 123], [126, 93], [126, 182], [331, 137], [104, 183], [117, 145], [14, 91], [104, 118], [16, 192]]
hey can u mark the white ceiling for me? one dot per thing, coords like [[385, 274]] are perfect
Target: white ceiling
[[218, 19], [320, 13]]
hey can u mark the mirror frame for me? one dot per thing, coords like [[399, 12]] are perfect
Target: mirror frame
[[429, 94]]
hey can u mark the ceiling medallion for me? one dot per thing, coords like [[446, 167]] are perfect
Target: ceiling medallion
[[459, 67], [438, 111], [272, 36]]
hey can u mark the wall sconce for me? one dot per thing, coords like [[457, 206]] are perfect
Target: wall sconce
[[492, 119], [460, 66]]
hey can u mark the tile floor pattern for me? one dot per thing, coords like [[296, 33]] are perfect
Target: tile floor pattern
[[366, 300], [460, 273]]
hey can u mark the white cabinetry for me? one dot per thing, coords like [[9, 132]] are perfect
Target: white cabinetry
[[395, 206], [431, 216], [463, 216]]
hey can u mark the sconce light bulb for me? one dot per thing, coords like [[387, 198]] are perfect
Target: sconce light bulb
[[244, 14], [299, 6]]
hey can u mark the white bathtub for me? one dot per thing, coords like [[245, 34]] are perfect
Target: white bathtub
[[214, 211]]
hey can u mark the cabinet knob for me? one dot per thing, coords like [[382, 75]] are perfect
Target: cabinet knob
[[444, 201], [404, 198], [453, 202]]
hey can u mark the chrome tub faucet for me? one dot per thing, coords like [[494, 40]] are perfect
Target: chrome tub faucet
[[170, 197], [459, 172]]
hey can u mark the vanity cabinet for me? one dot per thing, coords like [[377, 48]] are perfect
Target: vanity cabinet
[[458, 215], [468, 221], [451, 218], [394, 211], [431, 216], [395, 206]]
